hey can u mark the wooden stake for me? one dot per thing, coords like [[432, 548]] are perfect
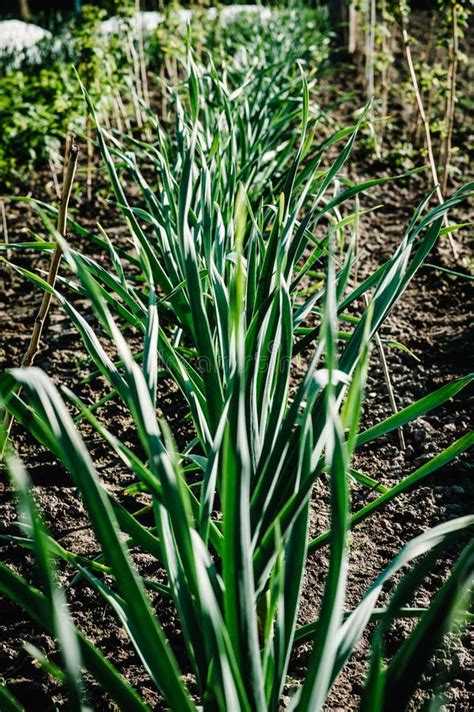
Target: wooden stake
[[33, 348]]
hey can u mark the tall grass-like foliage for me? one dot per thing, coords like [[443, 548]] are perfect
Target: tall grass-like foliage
[[237, 264]]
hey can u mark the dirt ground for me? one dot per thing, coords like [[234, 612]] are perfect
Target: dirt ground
[[433, 319]]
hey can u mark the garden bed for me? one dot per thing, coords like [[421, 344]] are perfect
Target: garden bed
[[432, 320]]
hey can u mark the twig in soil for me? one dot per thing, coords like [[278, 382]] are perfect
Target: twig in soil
[[70, 160], [426, 126]]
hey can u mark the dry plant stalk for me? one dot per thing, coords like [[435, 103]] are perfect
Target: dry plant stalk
[[384, 68], [116, 113], [388, 382], [378, 340], [426, 126], [70, 162], [353, 40], [25, 12], [451, 98], [141, 53], [388, 49], [57, 187], [4, 226], [390, 390], [370, 49], [67, 147], [90, 156], [427, 60], [164, 98], [133, 62]]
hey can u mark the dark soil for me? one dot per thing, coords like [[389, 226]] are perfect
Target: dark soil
[[434, 320]]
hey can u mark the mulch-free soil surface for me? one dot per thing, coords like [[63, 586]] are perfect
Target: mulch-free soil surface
[[433, 320]]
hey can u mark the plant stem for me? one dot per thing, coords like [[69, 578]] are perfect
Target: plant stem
[[71, 160]]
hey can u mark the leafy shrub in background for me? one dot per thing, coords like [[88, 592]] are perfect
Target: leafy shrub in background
[[33, 112], [40, 100], [239, 259]]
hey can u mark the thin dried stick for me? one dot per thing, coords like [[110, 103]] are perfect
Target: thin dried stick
[[141, 54], [143, 85], [164, 98], [33, 348], [4, 227], [132, 60], [120, 113], [388, 382], [90, 157], [352, 44], [383, 71], [370, 50], [25, 12], [451, 99], [57, 187], [426, 126], [427, 60], [378, 341], [67, 147]]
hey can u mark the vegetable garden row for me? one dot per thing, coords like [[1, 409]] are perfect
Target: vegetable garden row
[[237, 279]]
